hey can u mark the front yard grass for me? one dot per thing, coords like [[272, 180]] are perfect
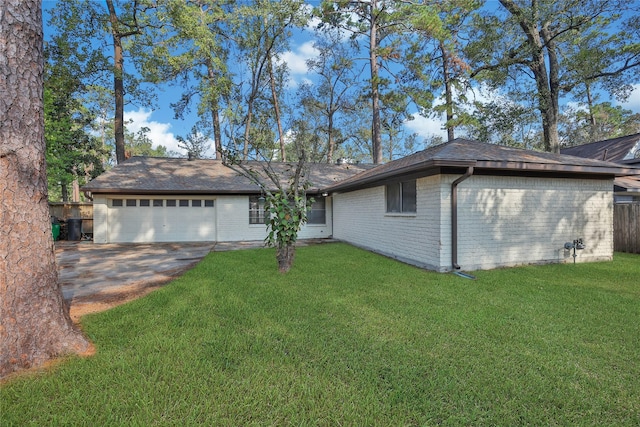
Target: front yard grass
[[353, 338]]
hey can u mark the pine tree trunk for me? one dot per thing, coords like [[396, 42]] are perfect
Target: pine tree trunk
[[35, 320], [118, 84], [285, 256]]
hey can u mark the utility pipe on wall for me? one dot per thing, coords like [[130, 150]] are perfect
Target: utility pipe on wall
[[454, 217]]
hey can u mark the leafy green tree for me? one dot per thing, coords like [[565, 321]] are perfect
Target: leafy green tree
[[559, 45], [602, 121], [139, 144], [286, 203], [73, 153], [196, 142], [502, 121], [376, 25], [261, 29], [189, 46], [435, 59], [102, 31], [328, 104]]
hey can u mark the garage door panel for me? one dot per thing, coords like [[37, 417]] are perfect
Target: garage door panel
[[161, 223]]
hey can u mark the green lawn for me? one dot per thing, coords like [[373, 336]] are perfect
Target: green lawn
[[353, 338]]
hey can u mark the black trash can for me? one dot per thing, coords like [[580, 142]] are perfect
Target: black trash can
[[74, 228]]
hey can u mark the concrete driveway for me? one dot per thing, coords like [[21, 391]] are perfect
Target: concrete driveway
[[95, 277], [86, 269]]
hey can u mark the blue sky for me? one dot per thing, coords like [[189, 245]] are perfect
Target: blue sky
[[163, 127]]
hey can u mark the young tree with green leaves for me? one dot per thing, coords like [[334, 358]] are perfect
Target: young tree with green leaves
[[284, 188]]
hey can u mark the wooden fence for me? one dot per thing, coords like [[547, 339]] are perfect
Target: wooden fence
[[626, 227], [65, 211]]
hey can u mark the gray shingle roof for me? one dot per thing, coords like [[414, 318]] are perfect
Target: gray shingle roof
[[155, 175], [147, 175], [462, 153], [620, 150]]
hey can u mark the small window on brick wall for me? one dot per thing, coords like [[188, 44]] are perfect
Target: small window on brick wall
[[401, 197]]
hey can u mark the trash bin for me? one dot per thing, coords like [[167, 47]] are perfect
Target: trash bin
[[55, 230], [74, 229]]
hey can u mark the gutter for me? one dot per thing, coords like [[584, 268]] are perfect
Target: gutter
[[454, 217]]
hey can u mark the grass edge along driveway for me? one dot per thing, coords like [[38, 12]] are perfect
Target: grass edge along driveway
[[352, 338]]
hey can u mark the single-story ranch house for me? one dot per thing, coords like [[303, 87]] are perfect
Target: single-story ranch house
[[462, 204]]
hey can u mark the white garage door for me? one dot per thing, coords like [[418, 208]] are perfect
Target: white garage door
[[145, 219]]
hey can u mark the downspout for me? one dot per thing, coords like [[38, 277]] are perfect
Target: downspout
[[454, 217]]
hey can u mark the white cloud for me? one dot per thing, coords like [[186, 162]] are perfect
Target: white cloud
[[159, 133], [297, 59], [426, 127], [633, 102]]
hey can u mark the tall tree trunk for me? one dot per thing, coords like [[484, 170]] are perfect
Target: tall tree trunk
[[448, 91], [592, 118], [332, 142], [276, 108], [215, 116], [247, 130], [118, 83], [547, 82], [553, 110], [376, 137], [35, 320]]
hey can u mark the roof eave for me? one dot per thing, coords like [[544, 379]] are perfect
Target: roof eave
[[418, 167], [551, 168]]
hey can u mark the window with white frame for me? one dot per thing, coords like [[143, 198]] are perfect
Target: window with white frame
[[318, 213], [256, 210], [401, 197]]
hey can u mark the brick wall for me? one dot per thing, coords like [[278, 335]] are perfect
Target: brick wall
[[506, 221], [502, 221], [361, 219]]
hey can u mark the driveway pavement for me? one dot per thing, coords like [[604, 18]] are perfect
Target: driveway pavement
[[86, 269], [99, 276]]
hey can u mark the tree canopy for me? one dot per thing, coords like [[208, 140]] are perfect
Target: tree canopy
[[547, 66]]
